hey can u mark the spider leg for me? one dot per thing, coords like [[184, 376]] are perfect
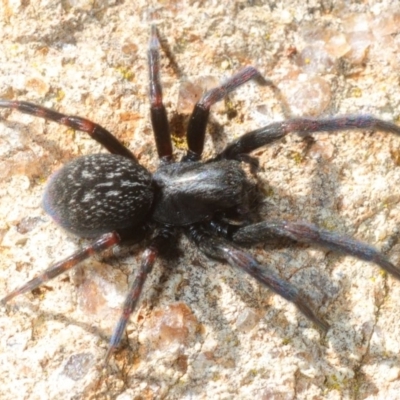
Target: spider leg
[[159, 242], [304, 126], [308, 233], [219, 248], [96, 131], [198, 120], [104, 242], [158, 113]]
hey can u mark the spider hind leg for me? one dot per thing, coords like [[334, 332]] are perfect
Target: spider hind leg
[[96, 131], [104, 242]]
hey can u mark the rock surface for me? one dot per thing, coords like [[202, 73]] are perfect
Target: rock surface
[[203, 330]]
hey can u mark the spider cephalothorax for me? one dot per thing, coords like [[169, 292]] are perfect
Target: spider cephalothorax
[[112, 198]]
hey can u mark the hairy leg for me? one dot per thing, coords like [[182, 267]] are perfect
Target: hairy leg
[[96, 132], [198, 120], [158, 113], [305, 232], [304, 126], [221, 249], [104, 242], [158, 244]]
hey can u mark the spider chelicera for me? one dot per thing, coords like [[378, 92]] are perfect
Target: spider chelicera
[[113, 199]]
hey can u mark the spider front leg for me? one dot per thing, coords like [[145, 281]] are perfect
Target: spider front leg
[[221, 249], [104, 242], [305, 232], [260, 137], [158, 113], [196, 129], [96, 131]]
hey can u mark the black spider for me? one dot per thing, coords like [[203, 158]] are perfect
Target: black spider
[[112, 198]]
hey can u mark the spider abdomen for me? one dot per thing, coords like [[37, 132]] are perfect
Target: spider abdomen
[[192, 192], [99, 193]]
